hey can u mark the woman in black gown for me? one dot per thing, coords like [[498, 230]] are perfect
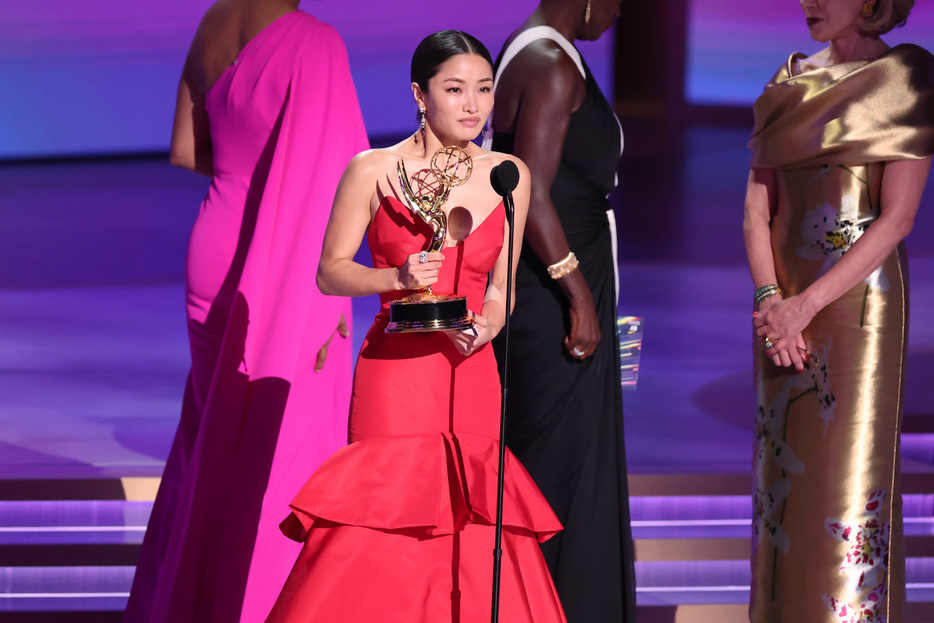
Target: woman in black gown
[[564, 402]]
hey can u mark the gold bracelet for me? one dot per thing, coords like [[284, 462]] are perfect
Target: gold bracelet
[[564, 267]]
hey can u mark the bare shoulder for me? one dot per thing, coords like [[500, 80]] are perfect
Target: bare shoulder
[[544, 74], [218, 20], [498, 158], [215, 44], [371, 164], [545, 64], [488, 160], [367, 160]]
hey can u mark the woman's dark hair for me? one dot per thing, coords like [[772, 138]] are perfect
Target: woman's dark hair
[[437, 48]]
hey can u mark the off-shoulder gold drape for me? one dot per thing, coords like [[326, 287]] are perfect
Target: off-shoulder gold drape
[[828, 524]]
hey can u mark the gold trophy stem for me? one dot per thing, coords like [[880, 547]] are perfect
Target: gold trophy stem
[[425, 310]]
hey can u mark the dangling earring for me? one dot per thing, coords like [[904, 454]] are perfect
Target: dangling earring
[[869, 8], [421, 125], [587, 13]]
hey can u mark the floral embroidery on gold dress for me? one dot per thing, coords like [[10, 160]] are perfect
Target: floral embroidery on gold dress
[[828, 544]]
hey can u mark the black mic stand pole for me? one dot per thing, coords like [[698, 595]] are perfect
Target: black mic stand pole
[[497, 548]]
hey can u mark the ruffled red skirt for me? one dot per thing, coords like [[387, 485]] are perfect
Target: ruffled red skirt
[[402, 529]]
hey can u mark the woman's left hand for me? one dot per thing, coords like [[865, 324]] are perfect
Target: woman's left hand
[[469, 340]]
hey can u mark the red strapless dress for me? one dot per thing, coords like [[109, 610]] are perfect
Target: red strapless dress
[[399, 525]]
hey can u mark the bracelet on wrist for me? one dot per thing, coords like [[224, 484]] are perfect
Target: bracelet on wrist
[[765, 292], [563, 267]]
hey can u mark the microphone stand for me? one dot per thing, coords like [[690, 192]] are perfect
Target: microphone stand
[[497, 548]]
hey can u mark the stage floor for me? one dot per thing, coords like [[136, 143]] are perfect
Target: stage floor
[[93, 349]]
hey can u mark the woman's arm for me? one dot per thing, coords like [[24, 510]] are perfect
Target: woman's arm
[[492, 317], [551, 91], [191, 132], [494, 305], [760, 206], [902, 186], [338, 273]]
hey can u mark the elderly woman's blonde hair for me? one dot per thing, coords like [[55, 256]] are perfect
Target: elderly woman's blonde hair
[[888, 15]]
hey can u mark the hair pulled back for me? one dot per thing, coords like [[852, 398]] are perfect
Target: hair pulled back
[[437, 48]]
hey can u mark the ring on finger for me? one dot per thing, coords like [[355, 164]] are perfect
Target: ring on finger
[[423, 257], [577, 352], [768, 343]]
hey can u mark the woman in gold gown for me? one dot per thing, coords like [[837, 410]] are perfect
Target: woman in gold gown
[[841, 152]]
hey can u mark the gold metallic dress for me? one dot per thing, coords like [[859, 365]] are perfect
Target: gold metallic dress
[[828, 544]]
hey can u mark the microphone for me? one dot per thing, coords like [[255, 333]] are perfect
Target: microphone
[[504, 177]]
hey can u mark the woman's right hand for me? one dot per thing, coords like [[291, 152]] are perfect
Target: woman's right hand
[[417, 275], [582, 341], [791, 354]]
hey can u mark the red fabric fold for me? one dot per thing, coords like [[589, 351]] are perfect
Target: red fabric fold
[[429, 484]]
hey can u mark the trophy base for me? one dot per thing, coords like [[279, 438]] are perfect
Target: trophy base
[[428, 312]]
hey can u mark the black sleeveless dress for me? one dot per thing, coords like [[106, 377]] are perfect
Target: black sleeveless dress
[[565, 417]]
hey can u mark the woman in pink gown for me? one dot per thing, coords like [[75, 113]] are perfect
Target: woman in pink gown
[[267, 108], [399, 525]]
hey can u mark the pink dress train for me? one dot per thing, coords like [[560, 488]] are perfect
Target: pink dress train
[[256, 418]]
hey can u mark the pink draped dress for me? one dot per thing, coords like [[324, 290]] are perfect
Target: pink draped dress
[[256, 417]]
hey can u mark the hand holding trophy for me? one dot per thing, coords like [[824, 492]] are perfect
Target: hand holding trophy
[[426, 310]]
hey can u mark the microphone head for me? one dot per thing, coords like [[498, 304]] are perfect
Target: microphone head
[[504, 177]]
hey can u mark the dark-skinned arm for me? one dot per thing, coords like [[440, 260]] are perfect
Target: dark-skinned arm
[[191, 132], [551, 89], [191, 146]]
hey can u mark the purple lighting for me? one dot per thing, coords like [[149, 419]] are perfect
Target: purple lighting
[[100, 77]]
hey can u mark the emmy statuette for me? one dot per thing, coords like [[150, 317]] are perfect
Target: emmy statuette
[[426, 310]]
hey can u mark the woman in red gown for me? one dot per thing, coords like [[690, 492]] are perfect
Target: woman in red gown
[[399, 525]]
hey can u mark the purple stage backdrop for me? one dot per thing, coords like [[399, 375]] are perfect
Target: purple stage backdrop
[[735, 46], [100, 76]]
